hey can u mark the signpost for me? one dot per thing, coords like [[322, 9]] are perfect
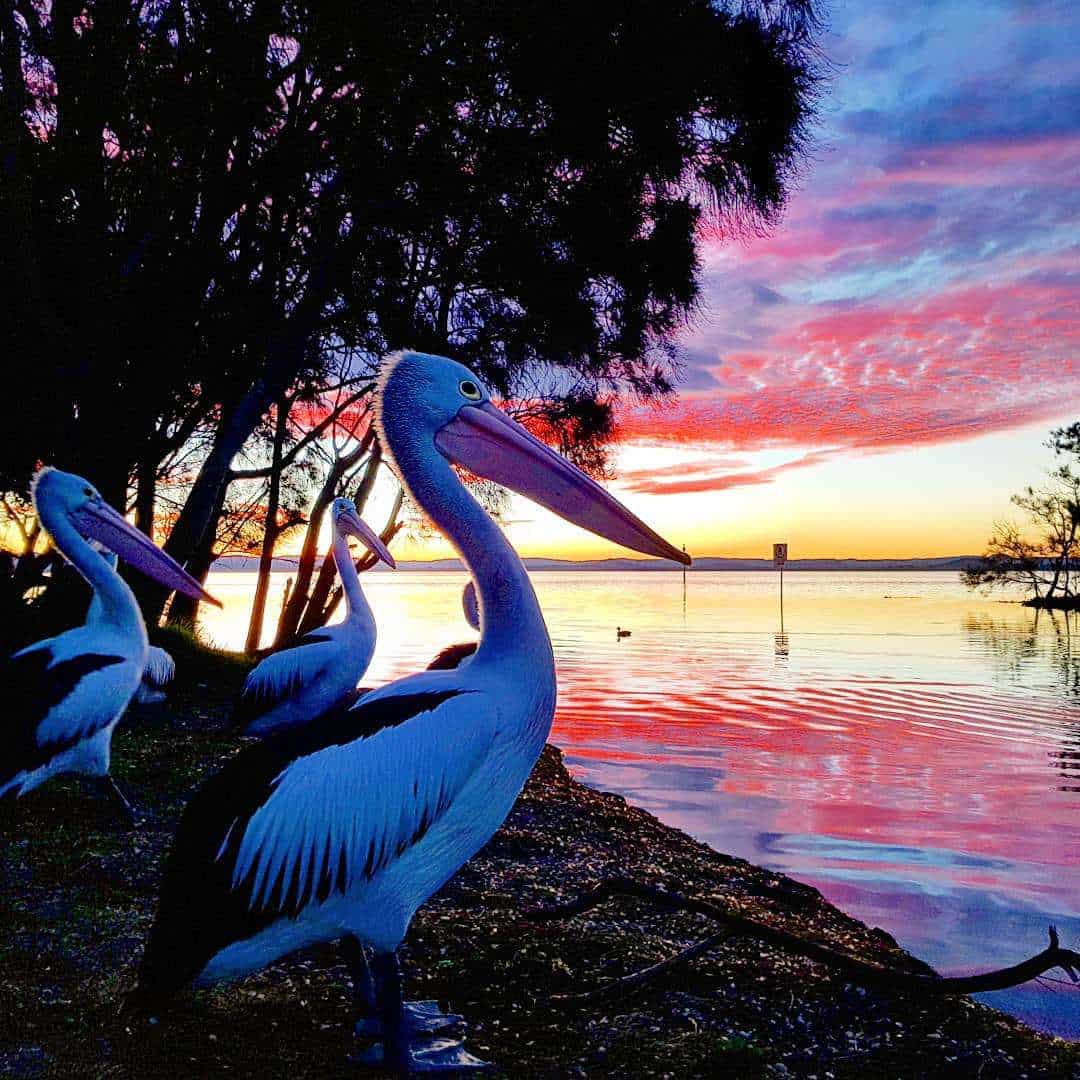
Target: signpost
[[779, 558], [684, 585]]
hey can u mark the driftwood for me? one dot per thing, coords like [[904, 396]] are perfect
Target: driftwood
[[858, 971]]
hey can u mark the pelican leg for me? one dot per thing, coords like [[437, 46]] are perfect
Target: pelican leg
[[365, 1000], [409, 1030], [111, 789]]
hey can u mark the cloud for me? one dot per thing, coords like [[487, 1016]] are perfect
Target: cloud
[[683, 479], [924, 287], [953, 366]]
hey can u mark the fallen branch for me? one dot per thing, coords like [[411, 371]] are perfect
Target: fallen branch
[[859, 971], [630, 982]]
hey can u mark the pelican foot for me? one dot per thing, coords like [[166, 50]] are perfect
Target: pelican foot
[[438, 1055], [417, 1018]]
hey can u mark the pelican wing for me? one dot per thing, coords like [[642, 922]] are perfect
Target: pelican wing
[[339, 815], [283, 674], [36, 725], [312, 812], [160, 668]]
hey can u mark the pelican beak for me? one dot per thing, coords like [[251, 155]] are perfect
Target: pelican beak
[[487, 442], [355, 525], [99, 521]]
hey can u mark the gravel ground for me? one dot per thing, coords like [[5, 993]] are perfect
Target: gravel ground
[[78, 890]]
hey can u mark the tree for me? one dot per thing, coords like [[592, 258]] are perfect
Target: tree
[[204, 203], [1038, 555]]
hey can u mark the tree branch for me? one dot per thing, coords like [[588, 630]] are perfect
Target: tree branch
[[860, 971]]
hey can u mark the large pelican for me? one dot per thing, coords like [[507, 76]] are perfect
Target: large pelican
[[297, 684], [63, 696], [160, 666], [345, 826]]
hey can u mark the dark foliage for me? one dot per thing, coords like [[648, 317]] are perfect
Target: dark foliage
[[201, 203]]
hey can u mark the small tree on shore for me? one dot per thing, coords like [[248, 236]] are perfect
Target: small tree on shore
[[1038, 554]]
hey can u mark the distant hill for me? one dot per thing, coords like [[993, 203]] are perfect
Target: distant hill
[[954, 563]]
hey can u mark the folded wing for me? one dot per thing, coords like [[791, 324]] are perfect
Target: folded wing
[[284, 674], [313, 812]]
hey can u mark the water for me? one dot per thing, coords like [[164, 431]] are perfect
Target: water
[[911, 750]]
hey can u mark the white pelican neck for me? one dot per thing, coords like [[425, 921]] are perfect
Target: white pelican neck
[[355, 602], [510, 618], [114, 600]]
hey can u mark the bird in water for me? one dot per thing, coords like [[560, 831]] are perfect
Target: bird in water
[[65, 695], [160, 666], [621, 633], [296, 684], [343, 827], [455, 655]]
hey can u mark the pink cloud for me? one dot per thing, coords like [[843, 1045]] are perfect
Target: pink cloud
[[958, 364], [657, 482]]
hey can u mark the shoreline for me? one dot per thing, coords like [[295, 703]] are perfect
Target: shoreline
[[77, 891]]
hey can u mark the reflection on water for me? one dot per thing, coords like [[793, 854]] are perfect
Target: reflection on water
[[911, 750]]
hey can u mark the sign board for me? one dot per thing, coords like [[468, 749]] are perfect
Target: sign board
[[779, 555]]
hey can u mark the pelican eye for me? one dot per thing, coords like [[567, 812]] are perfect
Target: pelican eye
[[88, 492], [469, 389]]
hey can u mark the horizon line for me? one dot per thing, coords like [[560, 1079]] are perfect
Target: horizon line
[[652, 561]]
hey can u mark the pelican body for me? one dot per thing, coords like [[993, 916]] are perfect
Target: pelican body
[[345, 826], [294, 685], [63, 696]]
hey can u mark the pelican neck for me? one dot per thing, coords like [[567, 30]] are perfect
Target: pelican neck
[[510, 618], [356, 605], [115, 601]]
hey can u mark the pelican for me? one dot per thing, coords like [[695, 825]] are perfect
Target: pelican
[[344, 826], [455, 655], [160, 666], [64, 695], [297, 684]]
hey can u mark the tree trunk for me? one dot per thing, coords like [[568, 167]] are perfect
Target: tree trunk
[[184, 610], [201, 512], [270, 532], [291, 614], [146, 492], [315, 612]]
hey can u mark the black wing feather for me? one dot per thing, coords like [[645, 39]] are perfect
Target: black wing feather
[[201, 912], [32, 688], [452, 656]]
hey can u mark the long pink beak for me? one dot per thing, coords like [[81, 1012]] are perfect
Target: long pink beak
[[99, 521], [487, 442], [356, 526]]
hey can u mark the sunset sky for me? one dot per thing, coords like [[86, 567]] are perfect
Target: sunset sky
[[879, 375]]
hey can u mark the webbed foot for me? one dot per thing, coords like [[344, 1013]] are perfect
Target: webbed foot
[[411, 1033], [431, 1056], [417, 1018]]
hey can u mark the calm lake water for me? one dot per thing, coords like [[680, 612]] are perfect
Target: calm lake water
[[911, 750]]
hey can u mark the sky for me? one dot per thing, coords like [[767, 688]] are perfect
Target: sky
[[877, 376]]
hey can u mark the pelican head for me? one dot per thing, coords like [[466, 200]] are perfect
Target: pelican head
[[64, 497], [348, 522], [421, 397]]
